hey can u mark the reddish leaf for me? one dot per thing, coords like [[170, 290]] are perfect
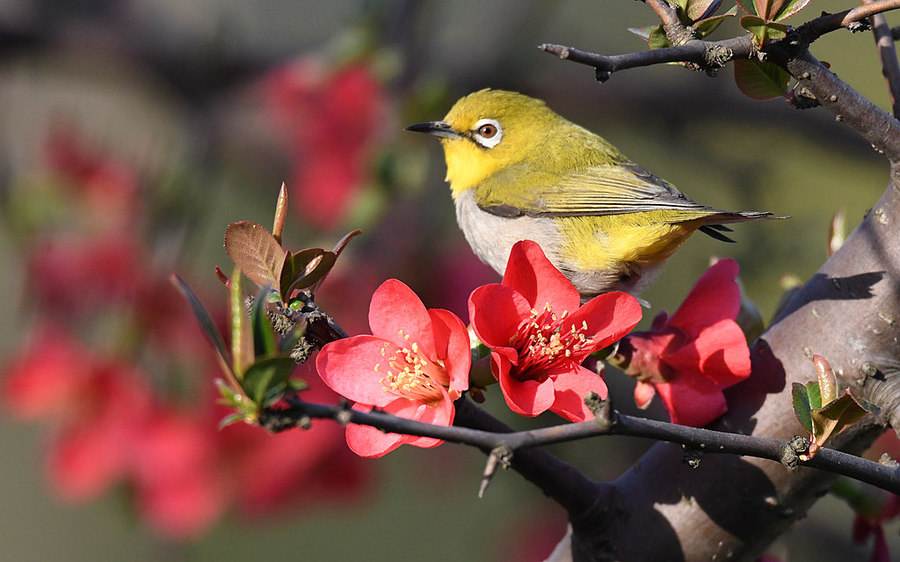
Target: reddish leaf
[[256, 252], [827, 381], [790, 8], [835, 416], [281, 207]]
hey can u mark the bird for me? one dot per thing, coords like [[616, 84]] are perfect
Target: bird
[[517, 170]]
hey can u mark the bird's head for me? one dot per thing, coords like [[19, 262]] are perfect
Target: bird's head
[[487, 131]]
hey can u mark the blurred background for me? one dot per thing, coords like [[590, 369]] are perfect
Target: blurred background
[[133, 131]]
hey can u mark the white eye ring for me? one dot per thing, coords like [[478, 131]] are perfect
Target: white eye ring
[[488, 133]]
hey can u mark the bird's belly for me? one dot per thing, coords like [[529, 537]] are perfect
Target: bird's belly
[[581, 247], [492, 237]]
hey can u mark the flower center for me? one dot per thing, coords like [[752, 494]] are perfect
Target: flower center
[[543, 344], [409, 374]]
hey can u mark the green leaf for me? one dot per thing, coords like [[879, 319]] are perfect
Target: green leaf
[[815, 396], [790, 8], [205, 321], [835, 416], [801, 405], [265, 374], [706, 26], [760, 80], [263, 335], [763, 30], [231, 419], [253, 249], [241, 342]]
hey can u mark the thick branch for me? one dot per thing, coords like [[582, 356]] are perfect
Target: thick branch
[[872, 123], [732, 507]]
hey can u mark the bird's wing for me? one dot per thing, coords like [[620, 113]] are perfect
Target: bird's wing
[[593, 191]]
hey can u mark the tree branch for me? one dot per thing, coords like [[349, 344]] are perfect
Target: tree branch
[[711, 55], [878, 127], [478, 429], [890, 65]]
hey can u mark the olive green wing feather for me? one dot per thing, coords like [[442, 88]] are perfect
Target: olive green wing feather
[[593, 191], [599, 190]]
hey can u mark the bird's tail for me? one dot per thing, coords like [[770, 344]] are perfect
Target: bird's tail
[[714, 224]]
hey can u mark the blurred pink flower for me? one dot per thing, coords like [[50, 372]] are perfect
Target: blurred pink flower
[[77, 274], [330, 120], [106, 187]]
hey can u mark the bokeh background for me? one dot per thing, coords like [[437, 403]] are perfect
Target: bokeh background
[[133, 131]]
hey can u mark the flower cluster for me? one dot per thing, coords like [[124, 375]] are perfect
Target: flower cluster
[[416, 362], [96, 292]]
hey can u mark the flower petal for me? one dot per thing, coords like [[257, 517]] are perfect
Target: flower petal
[[609, 317], [397, 314], [689, 405], [369, 442], [715, 296], [526, 398], [495, 312], [451, 341], [347, 366], [570, 390], [440, 413], [529, 272], [720, 353]]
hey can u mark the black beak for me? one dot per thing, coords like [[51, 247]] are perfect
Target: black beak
[[436, 128]]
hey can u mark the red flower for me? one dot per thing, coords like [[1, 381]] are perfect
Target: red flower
[[414, 365], [689, 358], [539, 335]]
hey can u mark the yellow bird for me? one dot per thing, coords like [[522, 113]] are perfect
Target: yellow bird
[[517, 170]]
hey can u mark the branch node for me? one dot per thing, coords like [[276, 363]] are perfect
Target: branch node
[[692, 456], [790, 453], [601, 409], [886, 460], [500, 455], [716, 56]]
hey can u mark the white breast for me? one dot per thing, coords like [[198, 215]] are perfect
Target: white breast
[[492, 237]]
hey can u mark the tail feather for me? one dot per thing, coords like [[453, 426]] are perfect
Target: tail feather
[[714, 228]]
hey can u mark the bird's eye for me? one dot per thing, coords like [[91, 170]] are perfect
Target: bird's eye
[[487, 133], [487, 130]]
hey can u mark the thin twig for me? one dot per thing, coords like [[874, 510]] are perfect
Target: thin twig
[[890, 65], [706, 440]]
